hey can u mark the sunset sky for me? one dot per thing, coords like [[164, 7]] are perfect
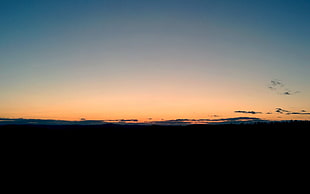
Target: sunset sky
[[155, 59]]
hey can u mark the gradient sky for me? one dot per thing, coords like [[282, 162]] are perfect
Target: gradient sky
[[160, 59]]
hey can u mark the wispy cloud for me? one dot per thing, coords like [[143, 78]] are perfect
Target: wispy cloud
[[234, 120], [185, 121], [247, 112], [22, 121], [122, 120], [288, 92], [275, 84], [279, 87], [287, 112], [83, 121], [298, 113], [281, 111]]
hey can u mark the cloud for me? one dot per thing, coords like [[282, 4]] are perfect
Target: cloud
[[288, 92], [239, 119], [129, 120], [279, 87], [170, 122], [247, 112], [298, 113], [82, 121], [281, 111], [21, 121], [234, 120], [287, 112], [122, 120], [275, 84], [183, 121]]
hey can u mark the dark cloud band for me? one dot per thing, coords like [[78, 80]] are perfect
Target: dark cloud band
[[247, 112]]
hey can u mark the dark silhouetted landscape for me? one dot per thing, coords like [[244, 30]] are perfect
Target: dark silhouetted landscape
[[125, 135]]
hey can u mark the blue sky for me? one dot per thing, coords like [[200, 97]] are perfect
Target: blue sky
[[67, 59]]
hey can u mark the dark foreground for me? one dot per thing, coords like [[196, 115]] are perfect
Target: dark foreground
[[226, 147], [131, 134]]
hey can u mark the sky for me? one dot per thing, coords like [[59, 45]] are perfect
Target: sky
[[154, 59]]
